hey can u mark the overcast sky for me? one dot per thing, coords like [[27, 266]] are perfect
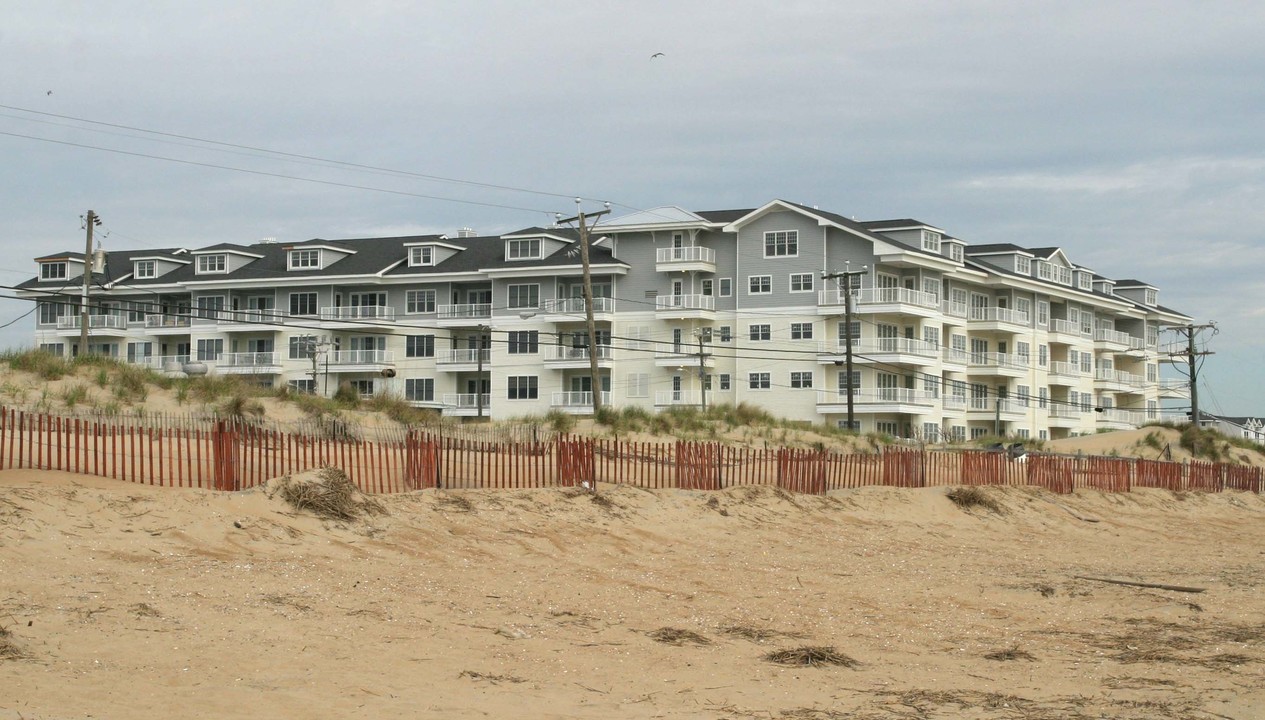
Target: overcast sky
[[1127, 133]]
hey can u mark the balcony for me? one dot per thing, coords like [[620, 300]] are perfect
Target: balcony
[[465, 404], [954, 403], [955, 313], [1064, 373], [248, 363], [251, 319], [572, 309], [468, 314], [998, 318], [898, 301], [167, 324], [685, 307], [1065, 416], [372, 315], [1117, 381], [565, 357], [881, 400], [997, 364], [461, 360], [955, 357], [576, 403], [685, 259], [992, 408], [903, 351], [681, 356], [1120, 419], [349, 361], [1112, 340], [97, 324], [1066, 332]]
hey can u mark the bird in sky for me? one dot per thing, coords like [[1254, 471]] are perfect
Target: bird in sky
[[652, 57], [50, 92]]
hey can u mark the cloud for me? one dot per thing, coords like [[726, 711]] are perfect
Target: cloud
[[1174, 175]]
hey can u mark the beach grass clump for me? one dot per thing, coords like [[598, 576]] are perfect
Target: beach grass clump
[[969, 498], [677, 636], [811, 656], [330, 495]]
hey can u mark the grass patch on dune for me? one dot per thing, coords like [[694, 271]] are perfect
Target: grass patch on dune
[[969, 498]]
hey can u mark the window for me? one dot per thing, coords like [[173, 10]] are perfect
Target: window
[[931, 336], [139, 351], [419, 389], [1043, 355], [49, 312], [726, 287], [931, 386], [1152, 372], [136, 311], [522, 250], [1023, 352], [302, 347], [759, 284], [1022, 392], [724, 381], [783, 243], [524, 296], [210, 349], [363, 388], [1043, 397], [209, 306], [801, 282], [638, 336], [212, 264], [303, 303], [1152, 297], [931, 241], [955, 252], [524, 342], [855, 329], [522, 387], [1045, 270], [758, 381], [726, 333], [307, 387], [638, 385], [1084, 280], [419, 346], [143, 269], [305, 259], [422, 256], [419, 301], [758, 332], [1023, 265], [802, 331], [53, 271], [707, 286], [844, 385], [1024, 305], [801, 380], [1065, 276], [1043, 313]]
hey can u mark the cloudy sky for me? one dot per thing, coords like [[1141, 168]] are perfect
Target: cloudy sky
[[1128, 133]]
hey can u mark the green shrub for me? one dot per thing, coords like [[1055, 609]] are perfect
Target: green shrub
[[72, 395], [560, 422], [41, 363], [347, 395]]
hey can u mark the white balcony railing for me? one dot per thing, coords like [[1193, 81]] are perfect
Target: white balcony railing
[[462, 356], [1066, 327], [1122, 417], [1118, 376], [248, 359], [878, 396], [576, 399], [998, 314], [993, 405], [1112, 336], [1000, 360], [467, 311], [166, 321], [954, 402], [575, 306], [956, 355], [465, 401], [1065, 369], [881, 296], [361, 357], [1065, 411], [685, 254], [252, 317], [359, 312], [115, 322], [954, 309], [685, 302], [563, 353]]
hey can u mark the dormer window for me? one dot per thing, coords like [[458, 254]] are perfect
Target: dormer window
[[1045, 270], [210, 264], [528, 249], [1152, 296], [143, 269], [1023, 265], [424, 255], [1065, 276], [1084, 281], [309, 259], [931, 241], [955, 252], [53, 271]]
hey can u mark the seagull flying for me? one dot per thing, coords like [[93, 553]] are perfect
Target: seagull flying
[[652, 57]]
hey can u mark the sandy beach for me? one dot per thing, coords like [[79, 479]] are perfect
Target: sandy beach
[[128, 601]]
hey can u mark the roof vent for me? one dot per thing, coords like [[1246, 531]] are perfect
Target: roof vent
[[466, 232], [269, 241]]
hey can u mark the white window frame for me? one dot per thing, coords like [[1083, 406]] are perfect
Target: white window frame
[[144, 269], [517, 304], [523, 249], [788, 241], [47, 271], [305, 259], [414, 299], [802, 379], [638, 385], [759, 381], [1152, 296], [755, 331], [955, 252], [316, 300], [725, 287], [1023, 265], [427, 387], [765, 284], [421, 256], [522, 387], [801, 331], [931, 241], [811, 286], [214, 264]]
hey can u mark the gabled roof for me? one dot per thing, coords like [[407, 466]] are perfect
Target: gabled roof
[[900, 224], [665, 215], [996, 249]]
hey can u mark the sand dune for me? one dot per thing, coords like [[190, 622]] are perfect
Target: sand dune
[[139, 602]]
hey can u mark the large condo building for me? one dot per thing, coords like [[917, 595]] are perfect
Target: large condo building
[[949, 340]]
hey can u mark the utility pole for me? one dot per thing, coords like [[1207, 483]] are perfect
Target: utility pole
[[846, 286], [478, 383], [594, 381], [90, 221], [1193, 362], [703, 334]]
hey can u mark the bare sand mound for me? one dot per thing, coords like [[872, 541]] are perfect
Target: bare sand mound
[[130, 601]]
